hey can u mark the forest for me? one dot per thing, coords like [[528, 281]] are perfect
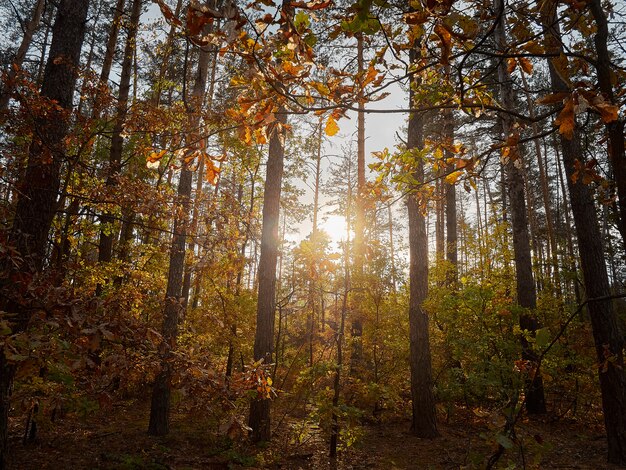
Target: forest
[[315, 234]]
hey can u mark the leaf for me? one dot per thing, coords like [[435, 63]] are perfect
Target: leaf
[[331, 127], [608, 112], [453, 177], [511, 64], [167, 13], [542, 337], [370, 76], [526, 65], [553, 98], [212, 172], [446, 42], [416, 17], [565, 120]]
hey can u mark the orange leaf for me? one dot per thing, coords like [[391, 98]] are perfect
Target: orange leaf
[[511, 63], [331, 127], [565, 119], [212, 172], [608, 112], [553, 98], [446, 42], [526, 65], [371, 75], [416, 17]]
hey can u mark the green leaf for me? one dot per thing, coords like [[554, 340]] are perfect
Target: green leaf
[[543, 337]]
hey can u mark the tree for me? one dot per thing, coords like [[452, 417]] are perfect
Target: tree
[[259, 419], [40, 185], [525, 283], [424, 421], [174, 300], [609, 342], [20, 55], [105, 248]]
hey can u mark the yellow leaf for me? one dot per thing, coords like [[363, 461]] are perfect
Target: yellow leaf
[[331, 127], [453, 177]]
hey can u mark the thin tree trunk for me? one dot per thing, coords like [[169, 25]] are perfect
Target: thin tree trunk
[[526, 292], [105, 247], [545, 190], [356, 330], [174, 305], [20, 55], [615, 129]]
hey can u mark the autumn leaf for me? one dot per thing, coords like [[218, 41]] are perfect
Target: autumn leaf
[[167, 13], [553, 98], [511, 64], [370, 76], [526, 65], [311, 5], [212, 172], [446, 42], [565, 119], [331, 126], [608, 112], [416, 17], [453, 177]]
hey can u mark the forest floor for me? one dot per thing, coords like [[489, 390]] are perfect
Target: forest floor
[[116, 439]]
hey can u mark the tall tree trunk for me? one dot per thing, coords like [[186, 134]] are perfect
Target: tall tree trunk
[[40, 186], [174, 306], [20, 55], [259, 419], [615, 129], [424, 421], [450, 195], [105, 247], [525, 284], [200, 178], [356, 357], [49, 13], [545, 190], [608, 339]]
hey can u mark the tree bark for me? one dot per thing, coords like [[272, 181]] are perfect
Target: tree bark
[[259, 419], [525, 284], [608, 339], [20, 55], [356, 329], [174, 300], [39, 188], [105, 247], [615, 129], [424, 420]]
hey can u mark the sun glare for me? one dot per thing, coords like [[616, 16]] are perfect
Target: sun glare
[[335, 227]]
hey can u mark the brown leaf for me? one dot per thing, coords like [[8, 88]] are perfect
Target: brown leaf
[[553, 98], [511, 64], [565, 119], [526, 65], [446, 42]]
